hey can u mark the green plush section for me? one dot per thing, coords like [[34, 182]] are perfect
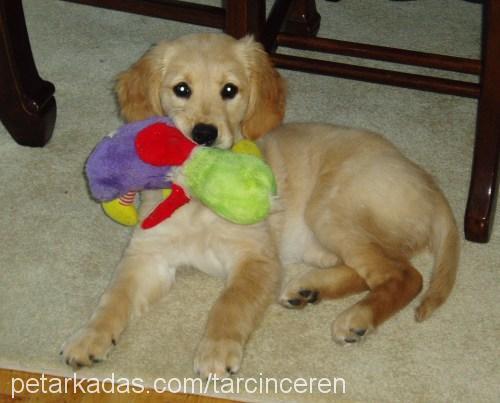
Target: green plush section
[[238, 187]]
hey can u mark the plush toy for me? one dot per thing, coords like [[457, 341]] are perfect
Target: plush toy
[[153, 154]]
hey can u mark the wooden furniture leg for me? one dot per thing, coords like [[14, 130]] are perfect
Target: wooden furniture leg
[[27, 105], [245, 17], [484, 179]]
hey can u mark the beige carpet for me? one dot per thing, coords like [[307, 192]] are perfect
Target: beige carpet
[[58, 250]]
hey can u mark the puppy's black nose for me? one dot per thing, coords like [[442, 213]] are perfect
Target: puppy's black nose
[[204, 135]]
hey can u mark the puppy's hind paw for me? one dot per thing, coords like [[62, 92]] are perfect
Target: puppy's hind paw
[[300, 298], [300, 292], [352, 325]]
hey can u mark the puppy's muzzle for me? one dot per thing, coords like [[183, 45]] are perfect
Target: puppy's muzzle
[[204, 134]]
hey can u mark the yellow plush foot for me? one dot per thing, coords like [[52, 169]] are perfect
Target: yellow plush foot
[[247, 147], [122, 214]]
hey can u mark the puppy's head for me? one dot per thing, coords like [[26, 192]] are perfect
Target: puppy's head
[[216, 89]]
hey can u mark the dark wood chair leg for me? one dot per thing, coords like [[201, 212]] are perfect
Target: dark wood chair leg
[[245, 17], [484, 180], [27, 105], [303, 18]]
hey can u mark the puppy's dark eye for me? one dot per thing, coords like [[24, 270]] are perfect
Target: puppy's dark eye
[[229, 91], [182, 90]]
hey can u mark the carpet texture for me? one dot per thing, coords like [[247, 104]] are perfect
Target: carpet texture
[[58, 250]]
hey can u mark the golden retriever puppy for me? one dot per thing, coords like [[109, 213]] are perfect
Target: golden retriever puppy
[[349, 204]]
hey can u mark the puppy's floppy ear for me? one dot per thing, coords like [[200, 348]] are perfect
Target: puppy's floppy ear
[[138, 88], [266, 107]]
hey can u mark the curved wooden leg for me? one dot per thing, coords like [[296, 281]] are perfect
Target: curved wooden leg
[[484, 180], [27, 105]]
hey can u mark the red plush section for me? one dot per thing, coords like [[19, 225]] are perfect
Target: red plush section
[[166, 208], [159, 144]]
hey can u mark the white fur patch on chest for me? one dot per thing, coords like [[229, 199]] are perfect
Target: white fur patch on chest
[[195, 236]]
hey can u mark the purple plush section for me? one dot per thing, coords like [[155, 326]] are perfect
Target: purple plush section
[[114, 168]]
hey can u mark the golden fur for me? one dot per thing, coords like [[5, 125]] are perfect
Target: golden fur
[[349, 204]]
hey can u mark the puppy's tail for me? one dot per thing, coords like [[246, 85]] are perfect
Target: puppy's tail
[[445, 247]]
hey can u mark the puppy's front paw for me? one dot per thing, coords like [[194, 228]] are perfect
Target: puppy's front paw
[[353, 325], [86, 347], [218, 357]]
